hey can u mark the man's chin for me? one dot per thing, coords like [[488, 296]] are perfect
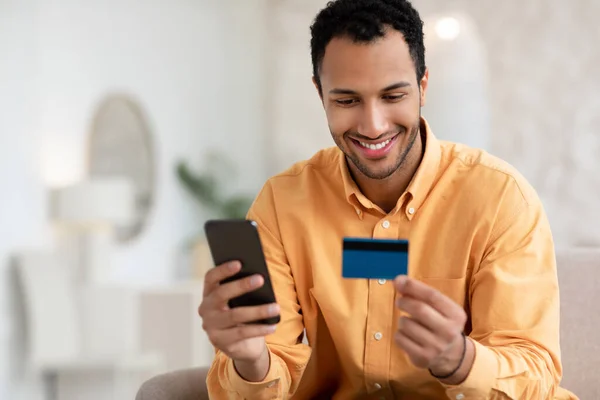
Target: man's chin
[[379, 175], [371, 170]]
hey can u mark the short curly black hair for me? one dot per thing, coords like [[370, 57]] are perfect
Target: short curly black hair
[[365, 21]]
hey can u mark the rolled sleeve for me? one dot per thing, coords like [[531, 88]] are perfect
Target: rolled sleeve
[[481, 378], [269, 388]]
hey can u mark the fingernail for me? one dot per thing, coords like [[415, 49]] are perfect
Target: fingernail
[[271, 328], [234, 265], [401, 281], [273, 308], [255, 280]]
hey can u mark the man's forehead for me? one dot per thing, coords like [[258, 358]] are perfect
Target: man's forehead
[[379, 63]]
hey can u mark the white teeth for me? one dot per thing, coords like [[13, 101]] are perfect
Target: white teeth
[[375, 146]]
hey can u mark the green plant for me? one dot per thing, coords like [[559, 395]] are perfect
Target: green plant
[[205, 188]]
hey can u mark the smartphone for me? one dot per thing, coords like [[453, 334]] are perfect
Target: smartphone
[[239, 240]]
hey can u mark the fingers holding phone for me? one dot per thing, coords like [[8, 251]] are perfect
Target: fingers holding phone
[[239, 307], [232, 330]]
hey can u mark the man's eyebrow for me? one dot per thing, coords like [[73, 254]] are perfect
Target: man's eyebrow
[[397, 85], [342, 91]]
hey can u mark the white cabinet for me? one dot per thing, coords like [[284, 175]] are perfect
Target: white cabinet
[[156, 330], [170, 325], [101, 342]]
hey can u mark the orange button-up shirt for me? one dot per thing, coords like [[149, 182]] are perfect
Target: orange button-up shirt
[[477, 233]]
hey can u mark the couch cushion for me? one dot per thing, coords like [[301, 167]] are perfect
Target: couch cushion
[[186, 384], [579, 281]]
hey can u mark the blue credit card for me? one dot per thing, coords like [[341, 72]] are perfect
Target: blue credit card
[[368, 258]]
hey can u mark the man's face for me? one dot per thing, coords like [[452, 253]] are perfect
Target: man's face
[[372, 101]]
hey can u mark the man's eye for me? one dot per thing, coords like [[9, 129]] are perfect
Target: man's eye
[[394, 97], [345, 102]]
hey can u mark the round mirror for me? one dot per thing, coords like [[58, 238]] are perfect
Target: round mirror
[[120, 144]]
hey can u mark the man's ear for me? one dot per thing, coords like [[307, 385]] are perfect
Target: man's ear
[[318, 87], [423, 86]]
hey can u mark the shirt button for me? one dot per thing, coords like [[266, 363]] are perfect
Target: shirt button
[[460, 396], [386, 224], [378, 336], [381, 281], [411, 211], [377, 386]]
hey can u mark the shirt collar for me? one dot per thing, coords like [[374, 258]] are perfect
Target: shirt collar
[[418, 188]]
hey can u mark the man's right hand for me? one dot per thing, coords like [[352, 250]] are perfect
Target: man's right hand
[[228, 329]]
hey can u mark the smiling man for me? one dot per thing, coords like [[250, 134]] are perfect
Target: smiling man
[[372, 97], [478, 314]]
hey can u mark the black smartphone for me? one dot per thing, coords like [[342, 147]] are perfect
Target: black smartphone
[[239, 240]]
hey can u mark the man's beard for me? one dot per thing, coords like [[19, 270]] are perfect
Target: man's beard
[[366, 171]]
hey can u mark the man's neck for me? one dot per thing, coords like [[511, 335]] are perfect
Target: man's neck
[[386, 192]]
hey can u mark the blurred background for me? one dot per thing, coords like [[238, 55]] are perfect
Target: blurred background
[[124, 125]]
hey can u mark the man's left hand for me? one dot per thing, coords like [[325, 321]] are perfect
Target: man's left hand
[[431, 335]]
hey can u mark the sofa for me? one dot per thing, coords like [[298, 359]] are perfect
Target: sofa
[[579, 276]]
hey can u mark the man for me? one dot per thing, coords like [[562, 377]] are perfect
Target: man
[[478, 315]]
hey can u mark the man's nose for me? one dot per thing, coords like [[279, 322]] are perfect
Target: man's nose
[[374, 122]]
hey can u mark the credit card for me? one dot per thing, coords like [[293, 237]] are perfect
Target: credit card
[[368, 258]]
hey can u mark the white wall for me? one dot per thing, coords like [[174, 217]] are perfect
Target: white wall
[[194, 66], [459, 75], [297, 122], [22, 196], [194, 84]]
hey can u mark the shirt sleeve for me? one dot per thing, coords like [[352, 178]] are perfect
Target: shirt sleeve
[[514, 304], [288, 354]]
